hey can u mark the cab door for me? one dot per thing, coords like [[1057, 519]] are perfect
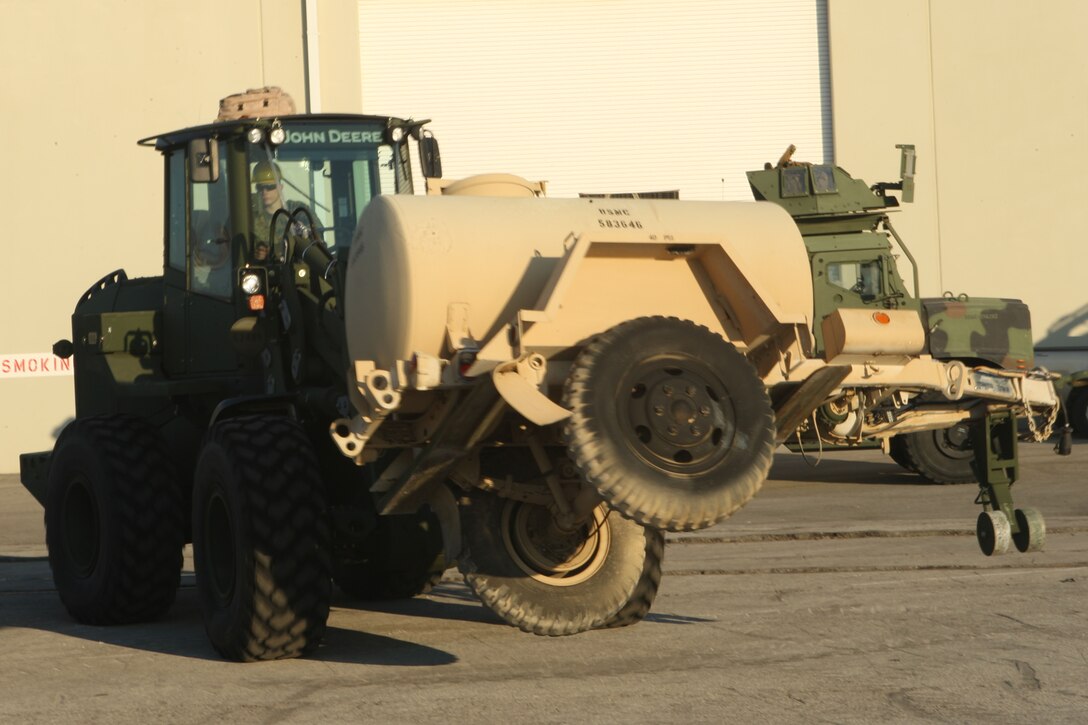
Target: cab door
[[199, 274]]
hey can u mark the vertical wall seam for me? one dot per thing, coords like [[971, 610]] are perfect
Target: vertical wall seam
[[260, 43], [936, 156]]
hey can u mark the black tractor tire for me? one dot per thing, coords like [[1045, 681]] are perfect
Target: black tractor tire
[[114, 522], [260, 539], [403, 558], [941, 456], [547, 581], [1077, 405], [671, 424]]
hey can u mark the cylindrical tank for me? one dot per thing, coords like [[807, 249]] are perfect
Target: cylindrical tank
[[415, 255]]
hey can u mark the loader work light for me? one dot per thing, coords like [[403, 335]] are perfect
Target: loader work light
[[254, 135], [251, 284], [277, 135]]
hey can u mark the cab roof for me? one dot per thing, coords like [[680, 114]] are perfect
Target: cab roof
[[235, 127]]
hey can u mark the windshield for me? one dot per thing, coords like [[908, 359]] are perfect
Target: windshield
[[330, 170]]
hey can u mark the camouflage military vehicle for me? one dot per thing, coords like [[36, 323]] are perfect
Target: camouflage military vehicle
[[848, 237], [535, 389]]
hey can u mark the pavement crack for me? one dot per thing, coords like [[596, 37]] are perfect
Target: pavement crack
[[842, 535], [1018, 621], [1028, 679], [1030, 566]]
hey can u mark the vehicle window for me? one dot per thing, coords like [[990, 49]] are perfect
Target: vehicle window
[[175, 221], [385, 170], [329, 171], [209, 234], [331, 187], [861, 278]]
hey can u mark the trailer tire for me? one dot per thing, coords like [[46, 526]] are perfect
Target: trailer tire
[[114, 523], [547, 581], [404, 558], [642, 599], [260, 539], [897, 450], [1077, 403], [671, 424], [941, 456]]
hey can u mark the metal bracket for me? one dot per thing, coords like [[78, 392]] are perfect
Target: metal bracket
[[996, 462], [518, 382]]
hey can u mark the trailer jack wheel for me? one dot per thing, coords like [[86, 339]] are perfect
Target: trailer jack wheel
[[994, 532], [1032, 533], [997, 467]]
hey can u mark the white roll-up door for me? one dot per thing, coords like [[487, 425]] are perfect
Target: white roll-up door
[[606, 96]]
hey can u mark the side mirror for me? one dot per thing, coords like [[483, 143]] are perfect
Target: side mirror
[[430, 160], [203, 161], [907, 160]]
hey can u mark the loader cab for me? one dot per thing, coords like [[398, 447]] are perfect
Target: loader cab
[[224, 183]]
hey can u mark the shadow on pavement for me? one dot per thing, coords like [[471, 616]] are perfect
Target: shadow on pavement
[[813, 468], [450, 600], [454, 600], [181, 634], [362, 648]]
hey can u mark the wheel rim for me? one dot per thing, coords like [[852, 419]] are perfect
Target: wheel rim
[[954, 442], [677, 416], [219, 548], [81, 526], [550, 554]]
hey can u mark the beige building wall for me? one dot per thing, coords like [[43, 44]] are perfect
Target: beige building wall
[[993, 93], [81, 83]]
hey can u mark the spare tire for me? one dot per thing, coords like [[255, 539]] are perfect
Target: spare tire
[[671, 424]]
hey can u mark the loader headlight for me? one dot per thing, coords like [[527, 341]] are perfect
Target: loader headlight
[[255, 135], [277, 135], [251, 284]]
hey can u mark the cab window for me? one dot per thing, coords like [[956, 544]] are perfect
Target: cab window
[[861, 278], [330, 189], [209, 234], [317, 176], [175, 223]]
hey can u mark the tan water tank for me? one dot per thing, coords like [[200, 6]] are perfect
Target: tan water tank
[[415, 255]]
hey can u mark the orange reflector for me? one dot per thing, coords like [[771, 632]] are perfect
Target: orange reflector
[[882, 318], [256, 302]]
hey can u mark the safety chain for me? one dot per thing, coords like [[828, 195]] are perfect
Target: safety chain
[[1048, 429]]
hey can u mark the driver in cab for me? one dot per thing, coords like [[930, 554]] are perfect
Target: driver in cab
[[267, 200]]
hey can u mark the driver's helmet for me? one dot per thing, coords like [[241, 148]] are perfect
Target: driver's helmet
[[265, 172]]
